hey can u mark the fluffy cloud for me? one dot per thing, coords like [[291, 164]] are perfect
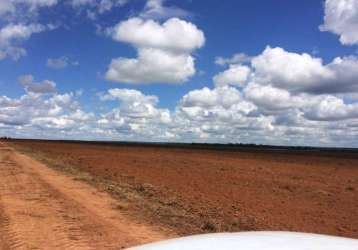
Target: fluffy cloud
[[129, 96], [136, 117], [46, 86], [152, 66], [235, 75], [219, 114], [304, 73], [43, 113], [164, 51], [205, 97], [292, 98], [282, 104], [270, 99], [13, 34], [174, 34], [60, 63], [341, 18], [201, 115], [331, 108], [299, 83], [254, 113], [32, 108], [296, 73]]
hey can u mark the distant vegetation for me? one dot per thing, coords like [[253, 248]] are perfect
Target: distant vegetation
[[214, 146]]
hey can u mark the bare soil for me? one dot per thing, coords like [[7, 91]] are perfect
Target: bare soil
[[188, 191], [43, 209]]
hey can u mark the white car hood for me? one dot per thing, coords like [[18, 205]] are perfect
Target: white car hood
[[255, 241]]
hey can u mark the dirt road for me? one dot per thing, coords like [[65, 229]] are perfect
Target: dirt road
[[43, 209]]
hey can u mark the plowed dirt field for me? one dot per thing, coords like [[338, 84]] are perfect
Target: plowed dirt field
[[187, 191]]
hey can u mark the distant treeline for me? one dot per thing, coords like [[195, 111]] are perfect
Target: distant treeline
[[213, 146]]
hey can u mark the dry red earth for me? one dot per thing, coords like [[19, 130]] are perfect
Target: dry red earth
[[43, 209], [197, 190]]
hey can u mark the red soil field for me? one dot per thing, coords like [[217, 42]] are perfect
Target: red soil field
[[41, 208], [202, 190]]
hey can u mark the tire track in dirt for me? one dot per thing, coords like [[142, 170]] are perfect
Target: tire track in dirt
[[33, 204], [4, 230], [42, 209], [9, 239]]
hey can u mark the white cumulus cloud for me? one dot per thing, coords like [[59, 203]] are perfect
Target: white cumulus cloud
[[136, 116], [174, 34], [341, 18], [152, 66], [305, 73], [290, 70], [164, 51], [235, 75], [43, 113]]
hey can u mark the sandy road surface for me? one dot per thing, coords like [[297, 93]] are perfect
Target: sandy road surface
[[43, 209]]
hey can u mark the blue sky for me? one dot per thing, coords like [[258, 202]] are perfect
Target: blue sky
[[159, 70]]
